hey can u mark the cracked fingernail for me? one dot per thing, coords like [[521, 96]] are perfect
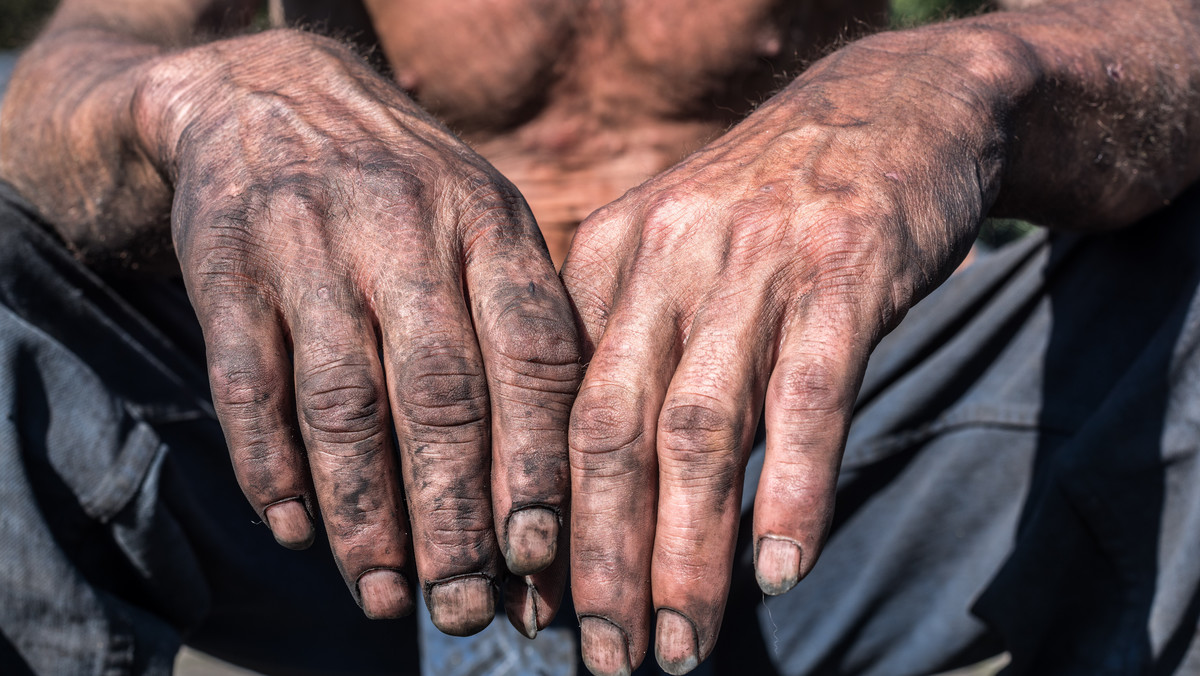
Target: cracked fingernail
[[462, 606], [777, 565], [532, 540], [384, 594], [521, 605], [604, 647], [290, 524], [676, 648]]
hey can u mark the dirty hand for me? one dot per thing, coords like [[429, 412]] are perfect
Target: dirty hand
[[760, 272], [363, 277]]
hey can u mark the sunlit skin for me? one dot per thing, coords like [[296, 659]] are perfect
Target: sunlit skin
[[369, 254]]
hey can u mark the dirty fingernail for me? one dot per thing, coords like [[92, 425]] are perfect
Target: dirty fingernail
[[777, 565], [384, 594], [604, 647], [521, 605], [462, 606], [676, 647], [289, 522], [532, 540]]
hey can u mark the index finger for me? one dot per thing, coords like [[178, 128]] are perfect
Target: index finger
[[530, 349], [344, 420]]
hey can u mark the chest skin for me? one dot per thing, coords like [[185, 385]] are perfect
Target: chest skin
[[576, 101]]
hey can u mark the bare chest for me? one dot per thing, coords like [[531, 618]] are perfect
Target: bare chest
[[483, 65], [578, 100]]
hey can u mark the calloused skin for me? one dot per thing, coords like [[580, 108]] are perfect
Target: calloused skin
[[316, 211]]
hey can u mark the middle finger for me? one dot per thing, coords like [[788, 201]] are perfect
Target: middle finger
[[704, 432], [439, 399], [344, 420]]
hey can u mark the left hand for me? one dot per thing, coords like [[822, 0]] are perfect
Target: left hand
[[361, 276], [760, 271]]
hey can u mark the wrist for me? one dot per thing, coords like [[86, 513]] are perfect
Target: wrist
[[186, 95], [169, 97], [964, 81]]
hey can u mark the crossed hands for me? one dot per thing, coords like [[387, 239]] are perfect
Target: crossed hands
[[391, 350]]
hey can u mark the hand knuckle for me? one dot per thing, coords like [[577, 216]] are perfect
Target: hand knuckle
[[756, 229], [669, 203], [342, 403], [589, 274], [523, 332], [223, 259], [600, 227], [295, 195], [443, 388], [811, 385], [492, 205], [840, 250], [606, 419], [695, 429], [358, 532], [545, 351], [492, 195], [392, 180], [241, 383], [665, 213]]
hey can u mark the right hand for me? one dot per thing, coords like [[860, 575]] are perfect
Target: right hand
[[755, 278], [357, 270]]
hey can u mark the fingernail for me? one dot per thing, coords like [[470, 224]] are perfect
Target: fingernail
[[384, 594], [604, 647], [462, 606], [676, 647], [521, 605], [532, 540], [289, 522], [777, 565]]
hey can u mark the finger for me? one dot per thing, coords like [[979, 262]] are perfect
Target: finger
[[613, 470], [592, 274], [532, 601], [810, 399], [439, 401], [344, 418], [250, 376], [705, 431], [530, 350]]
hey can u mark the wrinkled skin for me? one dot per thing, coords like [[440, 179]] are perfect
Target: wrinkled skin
[[758, 274], [359, 270], [791, 245], [313, 327]]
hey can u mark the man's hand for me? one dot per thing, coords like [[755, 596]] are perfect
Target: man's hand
[[357, 270], [758, 275], [361, 277], [762, 269]]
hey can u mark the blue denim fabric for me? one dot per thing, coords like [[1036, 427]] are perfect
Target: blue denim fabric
[[1021, 475], [122, 529], [7, 61]]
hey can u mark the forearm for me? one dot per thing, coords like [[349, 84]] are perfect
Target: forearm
[[1088, 111], [1111, 130], [69, 140]]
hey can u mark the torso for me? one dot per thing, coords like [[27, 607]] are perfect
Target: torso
[[576, 101]]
